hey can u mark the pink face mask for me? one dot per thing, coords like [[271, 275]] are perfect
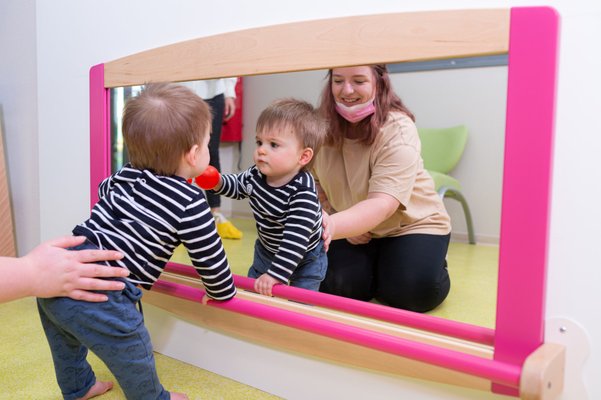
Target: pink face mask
[[356, 113]]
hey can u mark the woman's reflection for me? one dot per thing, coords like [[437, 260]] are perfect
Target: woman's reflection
[[392, 227]]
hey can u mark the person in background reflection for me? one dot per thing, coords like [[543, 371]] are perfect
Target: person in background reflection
[[389, 228], [220, 94]]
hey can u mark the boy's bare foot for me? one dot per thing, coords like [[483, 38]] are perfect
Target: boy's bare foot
[[97, 389], [178, 396]]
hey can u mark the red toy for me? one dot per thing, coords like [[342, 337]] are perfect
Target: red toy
[[209, 178]]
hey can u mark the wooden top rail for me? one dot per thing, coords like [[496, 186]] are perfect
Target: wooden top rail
[[307, 45]]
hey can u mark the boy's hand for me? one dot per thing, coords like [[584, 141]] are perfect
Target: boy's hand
[[209, 178], [264, 284], [205, 299]]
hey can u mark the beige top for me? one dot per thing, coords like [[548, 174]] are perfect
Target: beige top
[[391, 165]]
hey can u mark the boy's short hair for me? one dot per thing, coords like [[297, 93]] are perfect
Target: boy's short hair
[[308, 126], [161, 124]]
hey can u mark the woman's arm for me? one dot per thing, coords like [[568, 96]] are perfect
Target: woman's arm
[[363, 216]]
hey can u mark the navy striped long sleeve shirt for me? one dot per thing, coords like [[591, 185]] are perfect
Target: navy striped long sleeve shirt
[[288, 218], [146, 216]]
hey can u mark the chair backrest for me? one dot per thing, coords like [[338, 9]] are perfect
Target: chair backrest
[[442, 147]]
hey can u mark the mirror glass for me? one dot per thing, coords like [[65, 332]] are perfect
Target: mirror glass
[[475, 97]]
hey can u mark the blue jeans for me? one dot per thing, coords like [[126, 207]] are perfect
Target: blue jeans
[[114, 330], [309, 273]]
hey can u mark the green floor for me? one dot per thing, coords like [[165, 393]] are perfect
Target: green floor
[[26, 370]]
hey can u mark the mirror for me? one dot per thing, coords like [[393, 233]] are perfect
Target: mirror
[[475, 97], [405, 37]]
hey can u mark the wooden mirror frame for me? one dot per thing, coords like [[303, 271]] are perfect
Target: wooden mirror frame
[[529, 35]]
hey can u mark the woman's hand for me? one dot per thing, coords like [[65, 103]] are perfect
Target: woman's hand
[[326, 231], [50, 270], [361, 239], [61, 272]]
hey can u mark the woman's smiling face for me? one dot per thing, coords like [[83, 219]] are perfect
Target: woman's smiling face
[[353, 85]]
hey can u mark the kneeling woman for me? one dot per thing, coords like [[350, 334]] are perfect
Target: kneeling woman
[[389, 227]]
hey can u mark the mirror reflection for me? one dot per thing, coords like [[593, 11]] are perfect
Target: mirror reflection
[[473, 97]]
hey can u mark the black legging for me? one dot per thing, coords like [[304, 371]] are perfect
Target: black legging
[[408, 272], [217, 104]]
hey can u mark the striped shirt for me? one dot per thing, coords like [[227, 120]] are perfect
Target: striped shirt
[[288, 218], [146, 216]]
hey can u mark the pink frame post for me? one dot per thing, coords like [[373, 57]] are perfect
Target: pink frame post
[[532, 74], [100, 133]]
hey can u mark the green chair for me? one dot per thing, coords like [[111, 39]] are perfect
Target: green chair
[[441, 151]]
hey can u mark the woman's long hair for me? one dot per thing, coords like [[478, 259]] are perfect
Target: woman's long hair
[[385, 101]]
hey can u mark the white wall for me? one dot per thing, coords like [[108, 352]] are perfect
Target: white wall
[[475, 97], [19, 116], [73, 35]]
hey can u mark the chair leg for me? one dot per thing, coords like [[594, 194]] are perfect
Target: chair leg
[[446, 191]]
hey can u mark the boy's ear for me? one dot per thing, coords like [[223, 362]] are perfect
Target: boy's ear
[[190, 155], [306, 156]]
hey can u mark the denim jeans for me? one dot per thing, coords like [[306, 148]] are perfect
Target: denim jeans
[[114, 330], [309, 273]]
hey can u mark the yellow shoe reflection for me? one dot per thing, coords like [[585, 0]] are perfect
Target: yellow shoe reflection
[[227, 230]]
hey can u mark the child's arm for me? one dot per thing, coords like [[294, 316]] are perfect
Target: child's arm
[[234, 185], [199, 235], [211, 179]]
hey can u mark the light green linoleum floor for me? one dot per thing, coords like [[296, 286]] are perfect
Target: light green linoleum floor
[[26, 371]]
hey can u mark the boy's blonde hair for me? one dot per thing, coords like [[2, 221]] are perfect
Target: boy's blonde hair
[[300, 116], [163, 123]]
